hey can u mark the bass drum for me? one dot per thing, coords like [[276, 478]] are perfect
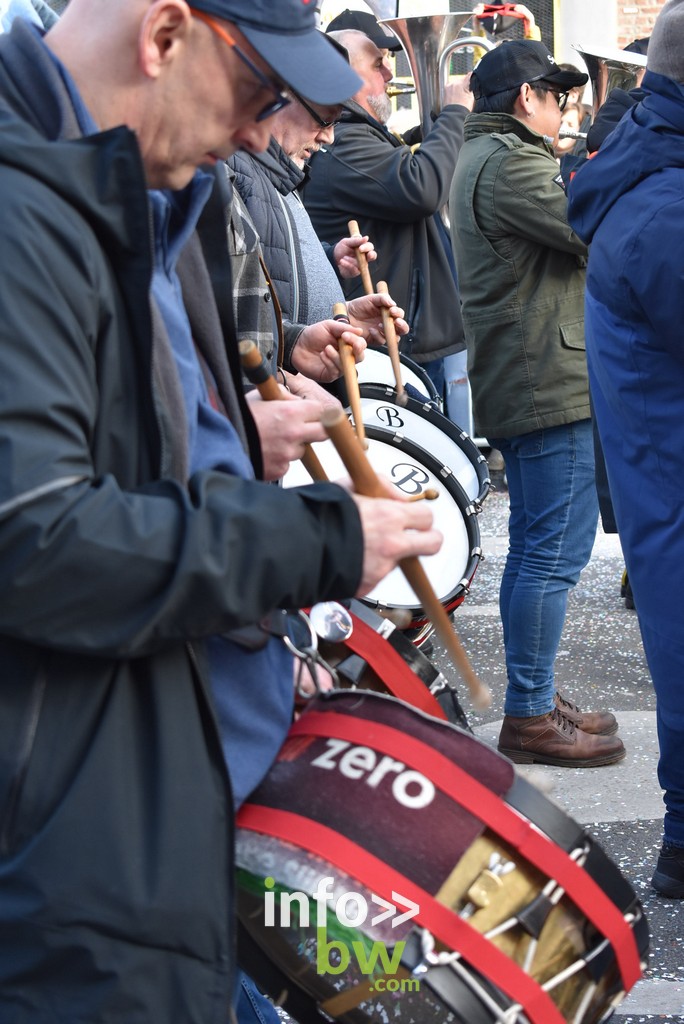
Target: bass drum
[[376, 368], [414, 471], [424, 424], [392, 867]]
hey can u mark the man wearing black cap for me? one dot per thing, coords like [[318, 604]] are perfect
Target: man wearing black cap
[[396, 194], [134, 542], [363, 21], [521, 271]]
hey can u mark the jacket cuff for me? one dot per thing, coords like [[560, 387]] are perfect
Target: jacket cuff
[[291, 334]]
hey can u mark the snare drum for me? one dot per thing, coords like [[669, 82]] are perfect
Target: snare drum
[[392, 867], [376, 655], [376, 368], [423, 424], [413, 471]]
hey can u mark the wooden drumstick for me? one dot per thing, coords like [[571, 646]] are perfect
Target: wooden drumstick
[[258, 373], [392, 346], [430, 494], [351, 378], [387, 321], [361, 259], [366, 482]]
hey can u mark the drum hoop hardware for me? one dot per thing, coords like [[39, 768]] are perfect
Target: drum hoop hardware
[[308, 656]]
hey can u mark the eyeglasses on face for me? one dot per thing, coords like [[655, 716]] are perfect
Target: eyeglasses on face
[[281, 98], [561, 97], [312, 113]]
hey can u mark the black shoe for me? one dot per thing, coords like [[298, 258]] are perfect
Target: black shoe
[[668, 877], [626, 592]]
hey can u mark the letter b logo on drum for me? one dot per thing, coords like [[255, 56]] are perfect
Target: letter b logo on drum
[[412, 481], [390, 416]]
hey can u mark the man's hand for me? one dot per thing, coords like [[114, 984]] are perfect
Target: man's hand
[[392, 530], [316, 352], [457, 90], [284, 428], [304, 387], [366, 312], [344, 254]]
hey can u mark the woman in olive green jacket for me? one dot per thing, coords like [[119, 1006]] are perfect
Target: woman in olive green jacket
[[521, 275]]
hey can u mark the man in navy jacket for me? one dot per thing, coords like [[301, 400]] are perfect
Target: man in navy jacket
[[627, 203]]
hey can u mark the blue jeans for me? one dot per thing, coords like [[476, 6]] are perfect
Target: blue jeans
[[253, 1007], [435, 371], [552, 526]]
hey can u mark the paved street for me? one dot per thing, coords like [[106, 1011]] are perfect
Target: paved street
[[600, 665]]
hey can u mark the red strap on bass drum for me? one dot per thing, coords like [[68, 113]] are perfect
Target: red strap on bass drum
[[389, 665]]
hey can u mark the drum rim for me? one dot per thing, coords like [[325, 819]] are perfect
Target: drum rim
[[411, 364], [429, 412], [450, 482]]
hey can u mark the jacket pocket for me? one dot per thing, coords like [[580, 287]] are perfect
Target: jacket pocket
[[572, 335]]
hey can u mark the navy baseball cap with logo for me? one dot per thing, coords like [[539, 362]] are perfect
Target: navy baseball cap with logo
[[516, 61], [286, 36], [362, 21]]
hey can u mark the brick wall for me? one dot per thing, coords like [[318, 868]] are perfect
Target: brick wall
[[635, 20]]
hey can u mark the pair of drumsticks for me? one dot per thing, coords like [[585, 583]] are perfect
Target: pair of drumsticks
[[387, 321], [351, 449]]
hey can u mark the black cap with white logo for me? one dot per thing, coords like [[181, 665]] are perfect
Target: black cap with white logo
[[516, 61]]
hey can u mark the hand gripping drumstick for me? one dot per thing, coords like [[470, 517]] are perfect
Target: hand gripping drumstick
[[258, 373], [366, 482], [387, 321], [351, 378], [368, 288]]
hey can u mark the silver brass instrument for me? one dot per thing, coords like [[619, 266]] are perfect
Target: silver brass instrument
[[429, 41], [383, 8], [616, 69]]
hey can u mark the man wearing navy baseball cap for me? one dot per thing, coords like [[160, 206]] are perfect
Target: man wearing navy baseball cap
[[286, 37], [141, 562]]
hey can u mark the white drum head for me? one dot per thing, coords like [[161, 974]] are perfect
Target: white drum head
[[376, 368], [427, 431], [412, 471]]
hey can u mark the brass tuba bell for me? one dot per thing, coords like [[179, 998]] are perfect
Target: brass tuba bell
[[429, 41], [616, 69]]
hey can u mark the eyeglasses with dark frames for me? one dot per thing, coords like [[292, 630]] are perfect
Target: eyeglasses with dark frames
[[312, 113], [281, 97], [561, 97]]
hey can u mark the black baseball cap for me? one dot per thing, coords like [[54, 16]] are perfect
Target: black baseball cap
[[361, 21], [286, 36], [516, 61]]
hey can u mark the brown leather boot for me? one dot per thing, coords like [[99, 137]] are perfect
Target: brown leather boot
[[555, 739], [597, 723]]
